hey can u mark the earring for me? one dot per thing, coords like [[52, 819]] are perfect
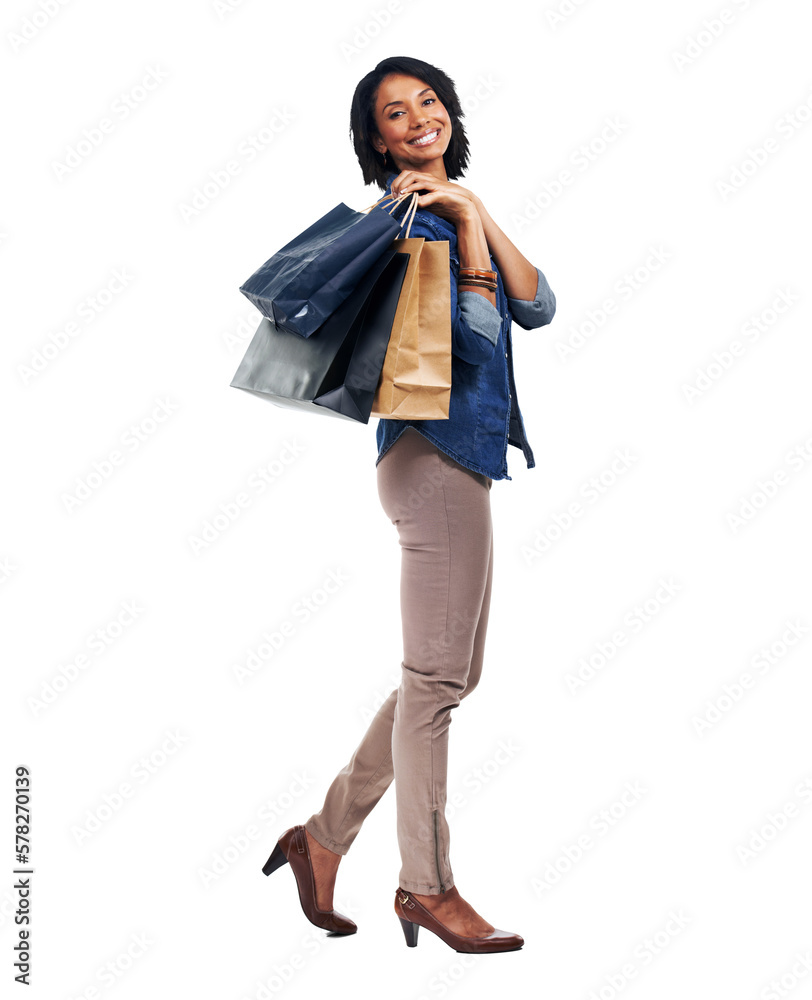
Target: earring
[[384, 157]]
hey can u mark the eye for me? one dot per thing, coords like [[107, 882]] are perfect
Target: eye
[[426, 100]]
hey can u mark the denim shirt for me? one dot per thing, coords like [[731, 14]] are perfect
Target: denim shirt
[[484, 415]]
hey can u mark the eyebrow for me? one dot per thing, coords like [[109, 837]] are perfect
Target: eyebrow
[[401, 102]]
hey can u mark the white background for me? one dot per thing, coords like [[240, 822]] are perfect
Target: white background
[[231, 765]]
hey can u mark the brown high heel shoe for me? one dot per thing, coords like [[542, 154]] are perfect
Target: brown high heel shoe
[[413, 915], [292, 847]]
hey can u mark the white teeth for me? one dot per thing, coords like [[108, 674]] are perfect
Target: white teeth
[[426, 138]]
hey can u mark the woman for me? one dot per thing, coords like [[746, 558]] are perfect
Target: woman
[[434, 481]]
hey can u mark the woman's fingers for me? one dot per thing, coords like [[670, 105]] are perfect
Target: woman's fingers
[[450, 201], [414, 179]]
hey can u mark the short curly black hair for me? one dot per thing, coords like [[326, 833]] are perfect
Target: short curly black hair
[[363, 129]]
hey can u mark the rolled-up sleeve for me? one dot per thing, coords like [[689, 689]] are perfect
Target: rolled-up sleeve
[[482, 317], [530, 314]]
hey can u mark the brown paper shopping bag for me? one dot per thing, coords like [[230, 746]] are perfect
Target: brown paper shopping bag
[[416, 379]]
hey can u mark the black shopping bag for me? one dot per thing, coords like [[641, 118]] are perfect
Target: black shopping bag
[[309, 278], [336, 370]]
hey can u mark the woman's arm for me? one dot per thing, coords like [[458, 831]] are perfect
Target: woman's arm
[[519, 276], [477, 233], [475, 322], [532, 302], [531, 299], [473, 249]]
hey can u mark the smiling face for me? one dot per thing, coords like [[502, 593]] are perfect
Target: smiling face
[[413, 125]]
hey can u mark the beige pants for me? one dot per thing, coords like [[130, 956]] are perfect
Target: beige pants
[[443, 516]]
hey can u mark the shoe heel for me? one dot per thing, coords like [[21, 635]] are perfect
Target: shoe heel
[[409, 931], [276, 860]]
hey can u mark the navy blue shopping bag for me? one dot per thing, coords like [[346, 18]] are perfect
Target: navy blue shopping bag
[[337, 370], [309, 278]]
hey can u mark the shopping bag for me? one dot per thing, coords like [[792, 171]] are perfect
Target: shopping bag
[[337, 369], [309, 278], [416, 376]]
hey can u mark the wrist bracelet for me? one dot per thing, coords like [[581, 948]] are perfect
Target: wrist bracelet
[[477, 281], [473, 283], [478, 272]]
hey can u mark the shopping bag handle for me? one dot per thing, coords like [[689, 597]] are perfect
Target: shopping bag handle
[[410, 211], [398, 199]]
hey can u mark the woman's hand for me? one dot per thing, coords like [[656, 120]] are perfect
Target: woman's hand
[[478, 235], [444, 198], [460, 206]]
